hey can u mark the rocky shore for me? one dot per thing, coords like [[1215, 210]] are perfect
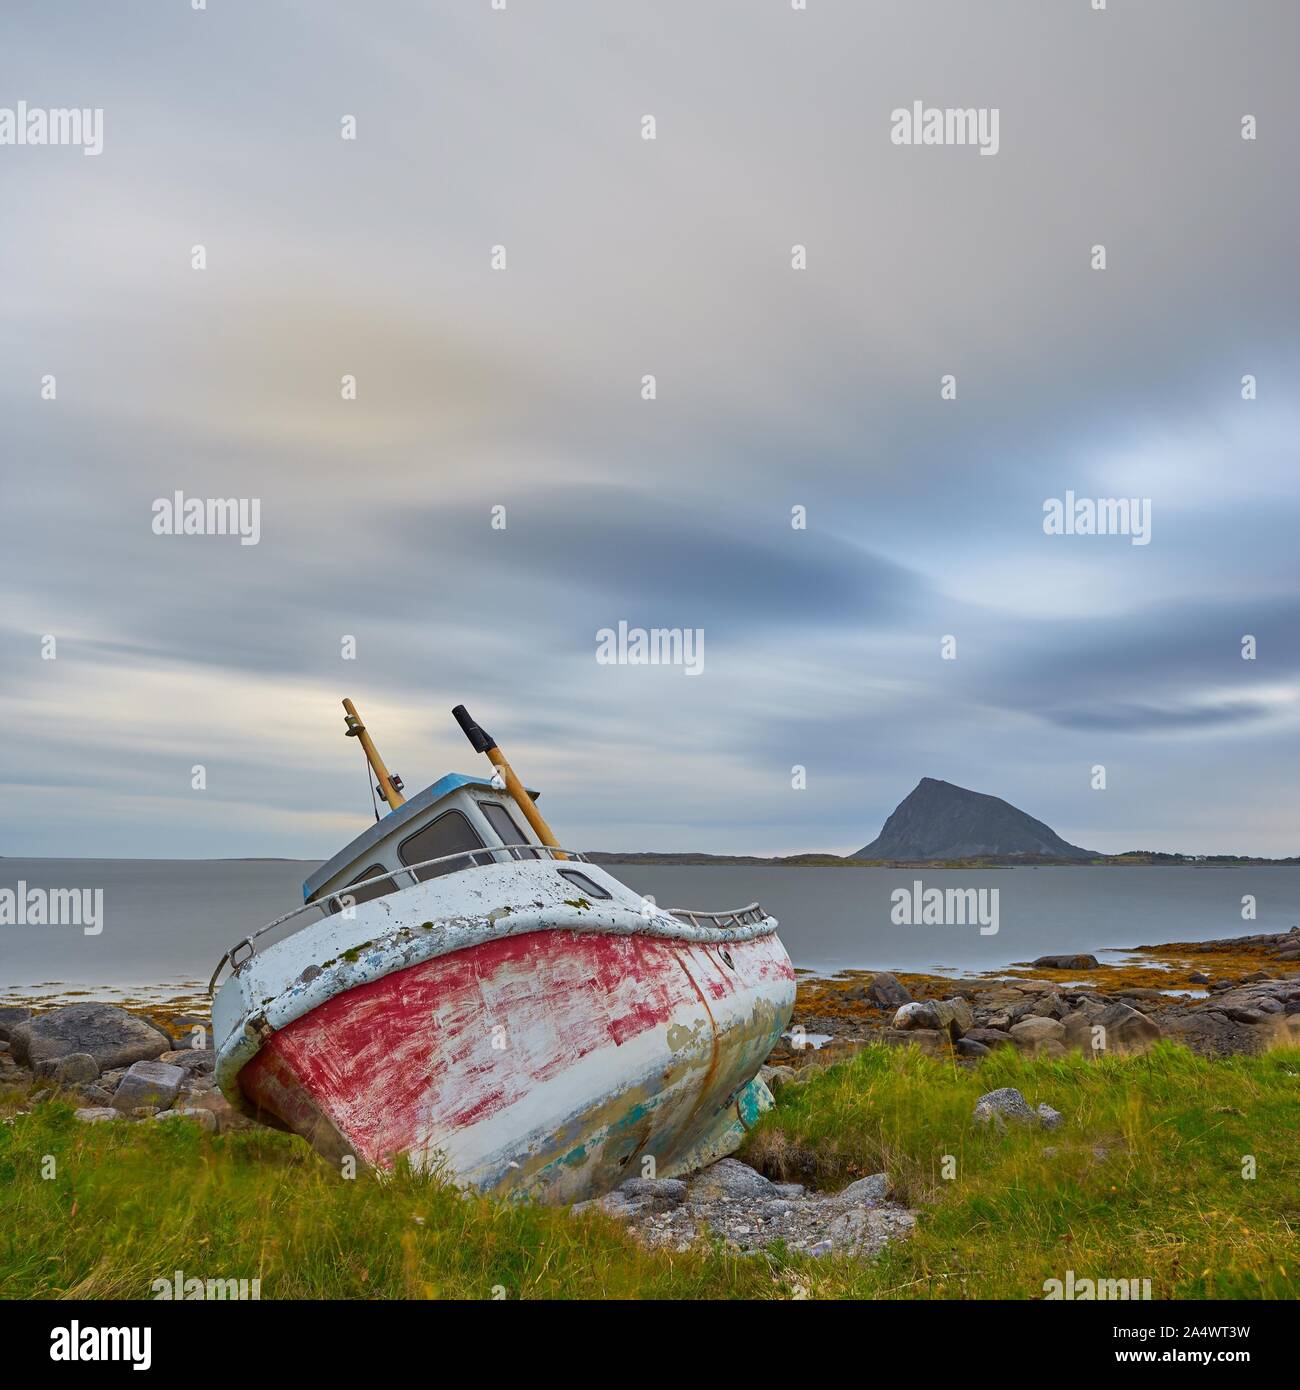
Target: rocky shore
[[1232, 995]]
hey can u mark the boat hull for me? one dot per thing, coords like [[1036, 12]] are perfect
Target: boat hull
[[553, 1063]]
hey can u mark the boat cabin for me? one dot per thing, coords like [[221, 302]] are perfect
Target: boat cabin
[[457, 815]]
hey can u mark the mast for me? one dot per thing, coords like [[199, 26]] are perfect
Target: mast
[[483, 742], [390, 786]]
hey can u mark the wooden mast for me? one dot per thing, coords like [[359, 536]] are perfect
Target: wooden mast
[[484, 743], [387, 784]]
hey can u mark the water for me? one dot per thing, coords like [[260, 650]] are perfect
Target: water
[[167, 922]]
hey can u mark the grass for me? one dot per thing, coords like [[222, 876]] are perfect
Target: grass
[[1144, 1180]]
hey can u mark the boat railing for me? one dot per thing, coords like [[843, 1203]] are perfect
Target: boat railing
[[512, 853], [741, 917]]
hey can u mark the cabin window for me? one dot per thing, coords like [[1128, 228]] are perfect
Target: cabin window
[[449, 834], [362, 894], [507, 831], [584, 883]]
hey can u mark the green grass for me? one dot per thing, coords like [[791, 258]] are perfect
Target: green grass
[[1145, 1181]]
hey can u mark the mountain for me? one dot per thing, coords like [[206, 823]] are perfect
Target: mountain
[[940, 821]]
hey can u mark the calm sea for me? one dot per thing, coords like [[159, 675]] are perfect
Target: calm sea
[[167, 922]]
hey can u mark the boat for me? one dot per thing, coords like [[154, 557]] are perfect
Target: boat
[[460, 994]]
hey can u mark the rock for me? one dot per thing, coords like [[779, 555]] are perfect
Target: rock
[[866, 1192], [1031, 1034], [999, 1023], [1255, 975], [1004, 1103], [990, 1037], [95, 1095], [1126, 1028], [772, 1077], [1078, 1032], [1243, 1015], [1049, 1006], [1049, 1118], [929, 1040], [96, 1114], [1079, 962], [729, 1178], [950, 1016], [885, 991], [11, 1015], [914, 1016], [1197, 978], [113, 1037], [148, 1084], [192, 1061], [204, 1118], [968, 1047], [73, 1070]]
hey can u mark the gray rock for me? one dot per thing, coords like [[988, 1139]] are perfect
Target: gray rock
[[192, 1061], [1079, 962], [990, 1037], [1035, 1032], [730, 1178], [11, 1015], [96, 1114], [866, 1192], [1127, 1029], [1049, 1006], [1241, 1015], [886, 992], [1004, 1103], [148, 1084], [95, 1095], [75, 1069], [969, 1047], [1049, 1118], [951, 1016], [113, 1037], [1198, 979]]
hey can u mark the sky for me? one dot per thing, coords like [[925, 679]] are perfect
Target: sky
[[480, 389]]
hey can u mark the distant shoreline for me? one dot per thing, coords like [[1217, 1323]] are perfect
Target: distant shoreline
[[789, 861]]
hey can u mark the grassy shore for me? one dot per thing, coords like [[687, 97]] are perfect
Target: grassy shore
[[1144, 1180]]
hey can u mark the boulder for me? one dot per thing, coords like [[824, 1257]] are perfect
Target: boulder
[[1127, 1029], [951, 1016], [929, 1040], [148, 1084], [885, 991], [113, 1037], [1034, 1032], [990, 1037], [1241, 1015], [11, 1015], [76, 1069], [192, 1061], [1078, 1032], [968, 1047], [731, 1179], [1006, 1103], [866, 1192], [1079, 962], [1049, 1118], [1197, 978], [1049, 1006], [96, 1114]]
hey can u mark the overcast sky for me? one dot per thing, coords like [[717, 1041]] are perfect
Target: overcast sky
[[522, 388]]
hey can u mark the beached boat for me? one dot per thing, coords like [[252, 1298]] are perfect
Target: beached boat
[[459, 990]]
